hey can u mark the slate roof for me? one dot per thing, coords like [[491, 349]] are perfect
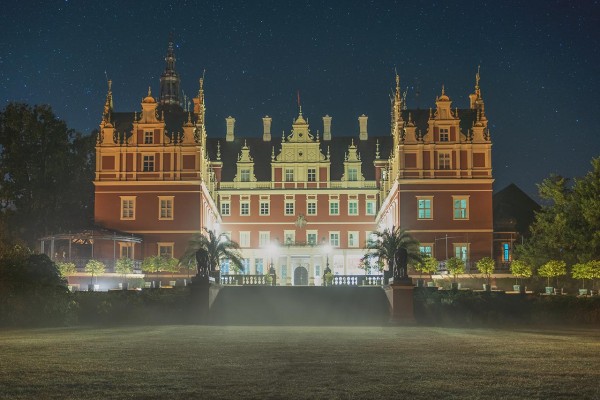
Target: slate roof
[[260, 150], [513, 209]]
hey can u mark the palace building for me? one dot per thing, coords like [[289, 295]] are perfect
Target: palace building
[[298, 202]]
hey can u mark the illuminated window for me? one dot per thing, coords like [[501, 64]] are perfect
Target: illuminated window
[[311, 208], [352, 239], [353, 207], [312, 174], [148, 164], [126, 250], [148, 137], [289, 175], [165, 210], [334, 239], [371, 207], [461, 250], [289, 237], [444, 160], [426, 249], [352, 174], [258, 265], [505, 252], [334, 207], [244, 208], [289, 208], [127, 207], [264, 238], [264, 208], [246, 266], [244, 239], [245, 175], [444, 135], [461, 207], [225, 209], [311, 238], [165, 250], [424, 207]]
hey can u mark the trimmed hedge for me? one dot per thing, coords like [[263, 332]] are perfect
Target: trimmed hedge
[[469, 308]]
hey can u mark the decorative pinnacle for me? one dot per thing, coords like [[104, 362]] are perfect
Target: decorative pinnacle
[[219, 150], [149, 91], [377, 149], [443, 90], [272, 152]]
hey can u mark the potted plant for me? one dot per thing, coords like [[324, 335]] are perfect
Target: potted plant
[[552, 269], [520, 269], [153, 264], [455, 266], [583, 271], [171, 265], [486, 266], [66, 269], [428, 266], [124, 266], [95, 268]]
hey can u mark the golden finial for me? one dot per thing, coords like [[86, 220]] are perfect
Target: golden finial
[[328, 154], [189, 117], [477, 77], [430, 113], [219, 150], [272, 152], [149, 91], [443, 90], [410, 118], [377, 149]]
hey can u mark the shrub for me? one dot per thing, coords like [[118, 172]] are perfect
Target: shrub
[[553, 269]]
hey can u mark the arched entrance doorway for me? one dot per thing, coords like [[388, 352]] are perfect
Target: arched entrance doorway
[[300, 276]]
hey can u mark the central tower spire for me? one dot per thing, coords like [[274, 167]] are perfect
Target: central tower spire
[[169, 80]]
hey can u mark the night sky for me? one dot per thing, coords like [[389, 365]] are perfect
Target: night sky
[[540, 66]]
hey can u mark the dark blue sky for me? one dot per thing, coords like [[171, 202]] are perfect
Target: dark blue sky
[[540, 65]]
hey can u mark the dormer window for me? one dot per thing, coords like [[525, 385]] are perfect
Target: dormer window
[[245, 175], [312, 174], [352, 174], [444, 135], [148, 137]]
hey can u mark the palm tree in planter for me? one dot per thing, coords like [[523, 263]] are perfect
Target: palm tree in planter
[[209, 249], [455, 266], [552, 269], [583, 271], [397, 248], [124, 266], [486, 267], [95, 268], [520, 269], [428, 265]]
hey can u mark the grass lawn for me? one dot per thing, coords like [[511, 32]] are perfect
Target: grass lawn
[[185, 362]]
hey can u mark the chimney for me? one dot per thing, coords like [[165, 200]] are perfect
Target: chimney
[[362, 122], [267, 128], [230, 125], [326, 127]]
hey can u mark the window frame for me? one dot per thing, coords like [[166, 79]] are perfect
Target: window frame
[[337, 207], [446, 133], [244, 208], [446, 157], [374, 204], [170, 200], [355, 242], [148, 163], [308, 209], [262, 210], [132, 208], [289, 205], [336, 242], [423, 216], [289, 174], [228, 206], [168, 245], [466, 208], [148, 137]]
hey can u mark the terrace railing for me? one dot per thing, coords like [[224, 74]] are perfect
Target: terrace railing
[[357, 280], [248, 280]]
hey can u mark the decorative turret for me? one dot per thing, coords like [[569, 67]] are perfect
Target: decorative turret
[[149, 106], [169, 80], [108, 104], [352, 165], [475, 99], [443, 103], [245, 166], [410, 131]]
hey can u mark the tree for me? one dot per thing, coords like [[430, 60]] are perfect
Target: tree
[[124, 266], [486, 266], [46, 173], [583, 271], [553, 269], [96, 268], [153, 265], [209, 249], [66, 269], [395, 247], [567, 227], [428, 265], [170, 264], [521, 269], [455, 266]]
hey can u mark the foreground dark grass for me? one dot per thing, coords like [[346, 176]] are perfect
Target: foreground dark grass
[[185, 362]]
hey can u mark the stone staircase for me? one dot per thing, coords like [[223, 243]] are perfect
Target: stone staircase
[[299, 305]]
